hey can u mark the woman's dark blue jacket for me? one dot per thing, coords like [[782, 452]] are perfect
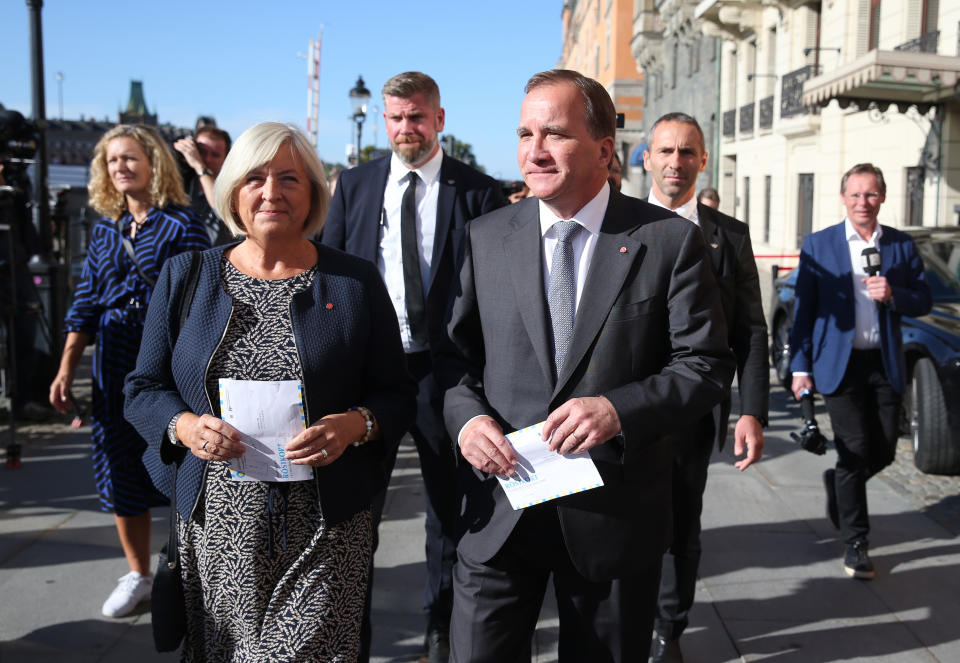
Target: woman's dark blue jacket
[[350, 353]]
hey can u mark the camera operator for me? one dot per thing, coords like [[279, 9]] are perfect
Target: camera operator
[[204, 154], [21, 311]]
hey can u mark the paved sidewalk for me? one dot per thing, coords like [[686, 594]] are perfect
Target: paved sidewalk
[[771, 583]]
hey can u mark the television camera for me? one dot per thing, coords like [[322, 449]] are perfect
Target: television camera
[[810, 438]]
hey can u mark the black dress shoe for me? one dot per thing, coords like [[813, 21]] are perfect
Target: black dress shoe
[[665, 650], [438, 645], [856, 562], [830, 486]]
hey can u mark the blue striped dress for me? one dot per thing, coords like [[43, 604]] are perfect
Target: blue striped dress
[[110, 304]]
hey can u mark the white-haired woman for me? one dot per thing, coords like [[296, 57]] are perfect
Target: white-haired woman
[[273, 570]]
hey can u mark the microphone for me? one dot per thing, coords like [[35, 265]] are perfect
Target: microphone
[[870, 261]]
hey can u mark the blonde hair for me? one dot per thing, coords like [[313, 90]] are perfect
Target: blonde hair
[[257, 146], [165, 184]]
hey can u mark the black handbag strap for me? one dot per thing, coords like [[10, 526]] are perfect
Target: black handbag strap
[[173, 538], [128, 245], [190, 288]]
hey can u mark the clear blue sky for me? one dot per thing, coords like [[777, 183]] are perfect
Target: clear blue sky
[[238, 61]]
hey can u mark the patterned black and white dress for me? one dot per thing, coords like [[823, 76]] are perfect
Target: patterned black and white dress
[[265, 578]]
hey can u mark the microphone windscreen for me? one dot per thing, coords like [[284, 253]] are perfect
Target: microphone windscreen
[[870, 261]]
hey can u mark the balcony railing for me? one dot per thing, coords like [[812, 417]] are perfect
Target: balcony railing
[[791, 94], [729, 123], [766, 112], [925, 43], [746, 118]]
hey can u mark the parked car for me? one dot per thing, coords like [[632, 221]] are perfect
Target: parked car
[[931, 344]]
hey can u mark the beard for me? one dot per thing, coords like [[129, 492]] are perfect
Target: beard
[[413, 153]]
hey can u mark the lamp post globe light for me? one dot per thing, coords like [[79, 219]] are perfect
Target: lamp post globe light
[[359, 96]]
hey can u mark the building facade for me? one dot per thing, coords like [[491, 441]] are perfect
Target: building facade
[[809, 89], [680, 64], [70, 143], [596, 42]]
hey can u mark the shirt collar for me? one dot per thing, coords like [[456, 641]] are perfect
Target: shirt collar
[[428, 172], [590, 216], [688, 210], [852, 234]]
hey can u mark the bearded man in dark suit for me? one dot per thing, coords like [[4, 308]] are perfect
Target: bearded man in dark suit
[[598, 314], [406, 213]]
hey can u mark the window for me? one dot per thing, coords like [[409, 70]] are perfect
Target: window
[[673, 64], [767, 181], [607, 64], [746, 201], [874, 36], [804, 207], [930, 11], [914, 213]]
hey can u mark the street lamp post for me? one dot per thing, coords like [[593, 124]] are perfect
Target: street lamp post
[[359, 96], [60, 91]]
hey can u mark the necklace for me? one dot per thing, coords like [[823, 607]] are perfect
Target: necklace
[[136, 225]]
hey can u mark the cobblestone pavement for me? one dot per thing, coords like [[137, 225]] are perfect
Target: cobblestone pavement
[[937, 496]]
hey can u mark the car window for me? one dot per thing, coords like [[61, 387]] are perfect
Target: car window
[[941, 257]]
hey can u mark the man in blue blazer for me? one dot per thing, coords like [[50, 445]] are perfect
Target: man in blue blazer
[[406, 213], [846, 343]]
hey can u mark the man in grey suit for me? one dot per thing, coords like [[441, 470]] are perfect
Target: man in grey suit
[[598, 314]]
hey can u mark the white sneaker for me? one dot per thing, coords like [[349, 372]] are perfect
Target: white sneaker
[[131, 589]]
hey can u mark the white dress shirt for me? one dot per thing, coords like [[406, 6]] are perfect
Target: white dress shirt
[[867, 335], [688, 210], [390, 260], [590, 216]]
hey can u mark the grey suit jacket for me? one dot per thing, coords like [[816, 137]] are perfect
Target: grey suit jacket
[[649, 336]]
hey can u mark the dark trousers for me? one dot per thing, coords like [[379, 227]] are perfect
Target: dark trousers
[[678, 578], [496, 604], [438, 469], [865, 415]]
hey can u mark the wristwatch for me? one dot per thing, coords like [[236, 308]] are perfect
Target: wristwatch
[[368, 420], [172, 430], [205, 171]]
